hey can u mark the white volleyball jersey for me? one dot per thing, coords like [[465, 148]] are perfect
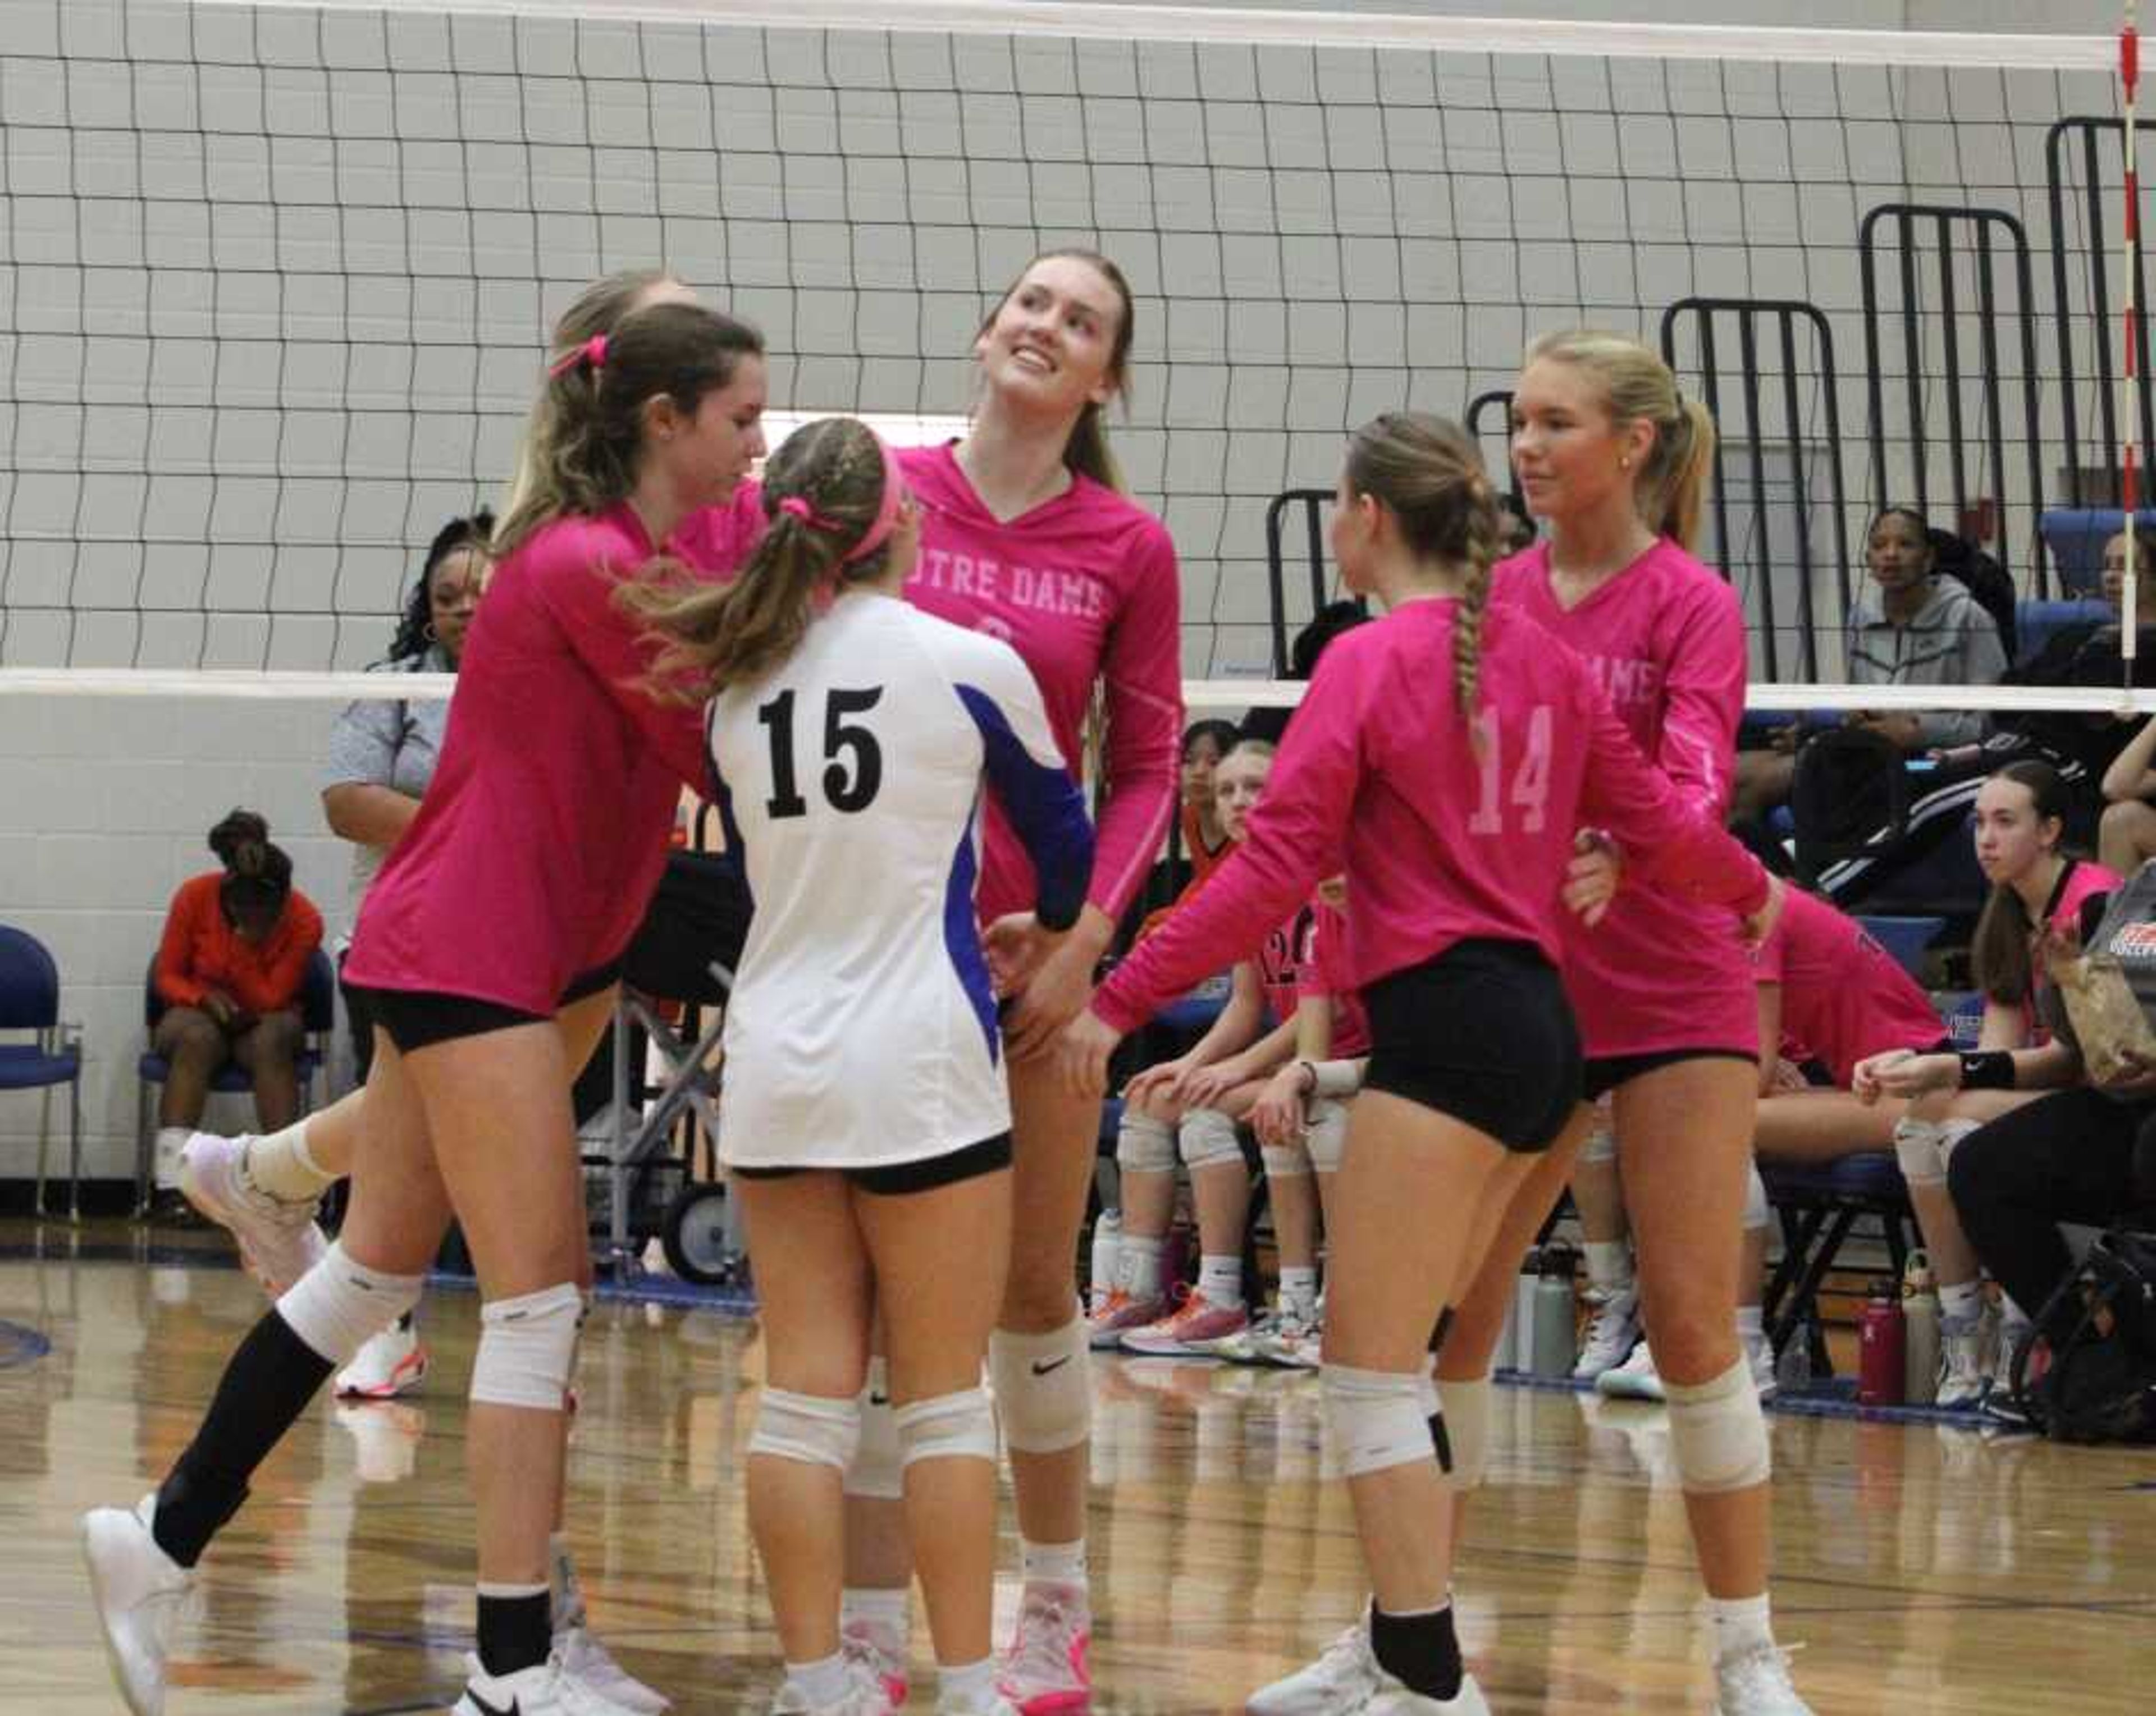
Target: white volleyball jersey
[[862, 1031]]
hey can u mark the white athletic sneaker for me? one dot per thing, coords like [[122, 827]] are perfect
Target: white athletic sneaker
[[997, 1706], [864, 1697], [546, 1690], [590, 1663], [1348, 1681], [1962, 1380], [1758, 1683], [1611, 1337], [279, 1243], [139, 1590], [1045, 1672], [880, 1650], [1634, 1379], [1759, 1359], [391, 1363]]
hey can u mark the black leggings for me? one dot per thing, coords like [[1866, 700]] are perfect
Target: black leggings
[[2065, 1157]]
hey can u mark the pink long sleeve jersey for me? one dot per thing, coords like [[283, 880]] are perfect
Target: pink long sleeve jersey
[[1665, 639], [535, 853], [1378, 778]]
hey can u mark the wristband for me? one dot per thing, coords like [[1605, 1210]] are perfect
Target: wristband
[[1991, 1069], [1303, 1067]]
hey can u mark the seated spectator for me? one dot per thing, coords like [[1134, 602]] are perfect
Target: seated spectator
[[1202, 842], [2083, 1154], [230, 970], [2037, 889], [1918, 627], [1310, 644], [382, 751]]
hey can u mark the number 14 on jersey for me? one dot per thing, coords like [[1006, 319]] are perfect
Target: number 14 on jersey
[[1527, 754]]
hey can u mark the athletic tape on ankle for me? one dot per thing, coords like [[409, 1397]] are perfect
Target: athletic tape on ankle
[[1285, 1161], [1379, 1419], [1325, 1136], [1601, 1146], [874, 1470], [527, 1347], [1756, 1212], [1717, 1433], [948, 1426], [338, 1306], [813, 1429], [1207, 1136], [1916, 1148], [1144, 1145], [1467, 1428], [1044, 1388]]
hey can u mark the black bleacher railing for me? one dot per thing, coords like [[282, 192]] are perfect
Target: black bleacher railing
[[1311, 503]]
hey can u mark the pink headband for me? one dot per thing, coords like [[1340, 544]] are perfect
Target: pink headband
[[594, 349], [894, 495]]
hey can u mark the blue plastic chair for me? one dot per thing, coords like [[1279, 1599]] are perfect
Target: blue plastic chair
[[317, 1017], [30, 1000]]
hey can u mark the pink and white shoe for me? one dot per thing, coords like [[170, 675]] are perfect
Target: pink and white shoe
[[878, 1650], [279, 1243], [391, 1363], [1184, 1330], [1045, 1670], [1119, 1314]]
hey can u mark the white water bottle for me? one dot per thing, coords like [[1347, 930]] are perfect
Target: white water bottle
[[1517, 1351], [1107, 1241]]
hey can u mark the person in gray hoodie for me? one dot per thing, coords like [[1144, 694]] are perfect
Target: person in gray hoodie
[[1916, 627]]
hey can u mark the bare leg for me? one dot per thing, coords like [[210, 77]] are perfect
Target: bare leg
[[270, 1050]]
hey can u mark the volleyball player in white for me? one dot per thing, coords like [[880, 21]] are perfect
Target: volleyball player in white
[[864, 1113]]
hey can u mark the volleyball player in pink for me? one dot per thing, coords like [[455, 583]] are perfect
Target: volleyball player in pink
[[490, 945], [1443, 758], [1025, 537], [1614, 462]]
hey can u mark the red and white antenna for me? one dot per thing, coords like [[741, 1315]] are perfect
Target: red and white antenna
[[2129, 76]]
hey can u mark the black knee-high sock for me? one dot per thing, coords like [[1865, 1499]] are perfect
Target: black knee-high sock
[[514, 1632], [1422, 1651], [264, 1391]]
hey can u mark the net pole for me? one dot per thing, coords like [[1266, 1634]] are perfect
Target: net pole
[[2129, 77]]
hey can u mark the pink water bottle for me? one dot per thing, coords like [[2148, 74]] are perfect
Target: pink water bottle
[[1881, 1347]]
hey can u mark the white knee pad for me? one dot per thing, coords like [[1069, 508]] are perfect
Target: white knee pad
[[1044, 1387], [1917, 1147], [813, 1429], [1144, 1145], [527, 1346], [1717, 1433], [1466, 1407], [1951, 1135], [1379, 1419], [1757, 1215], [1325, 1137], [875, 1468], [951, 1426], [1285, 1161], [338, 1306], [1207, 1136]]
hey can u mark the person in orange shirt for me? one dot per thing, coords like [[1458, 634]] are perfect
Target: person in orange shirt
[[229, 971]]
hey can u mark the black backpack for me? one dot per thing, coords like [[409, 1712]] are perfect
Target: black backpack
[[1983, 577], [2101, 1384]]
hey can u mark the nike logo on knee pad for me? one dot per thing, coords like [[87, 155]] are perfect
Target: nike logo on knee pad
[[1041, 1369]]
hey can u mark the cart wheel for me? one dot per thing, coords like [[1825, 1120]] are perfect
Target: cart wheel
[[694, 1236]]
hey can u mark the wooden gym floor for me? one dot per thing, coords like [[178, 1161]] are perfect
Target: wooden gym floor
[[1922, 1569]]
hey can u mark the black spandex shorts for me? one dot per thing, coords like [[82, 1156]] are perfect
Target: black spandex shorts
[[988, 1156], [418, 1018], [1605, 1073], [1483, 1033]]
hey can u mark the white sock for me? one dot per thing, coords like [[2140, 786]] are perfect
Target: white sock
[[170, 1142], [821, 1684], [1610, 1267], [970, 1685], [1740, 1624], [1220, 1279], [1137, 1266], [1960, 1304], [569, 1607], [279, 1163], [1053, 1562], [887, 1609], [1298, 1290], [1750, 1329]]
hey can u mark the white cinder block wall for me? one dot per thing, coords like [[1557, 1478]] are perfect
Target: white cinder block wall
[[271, 287]]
